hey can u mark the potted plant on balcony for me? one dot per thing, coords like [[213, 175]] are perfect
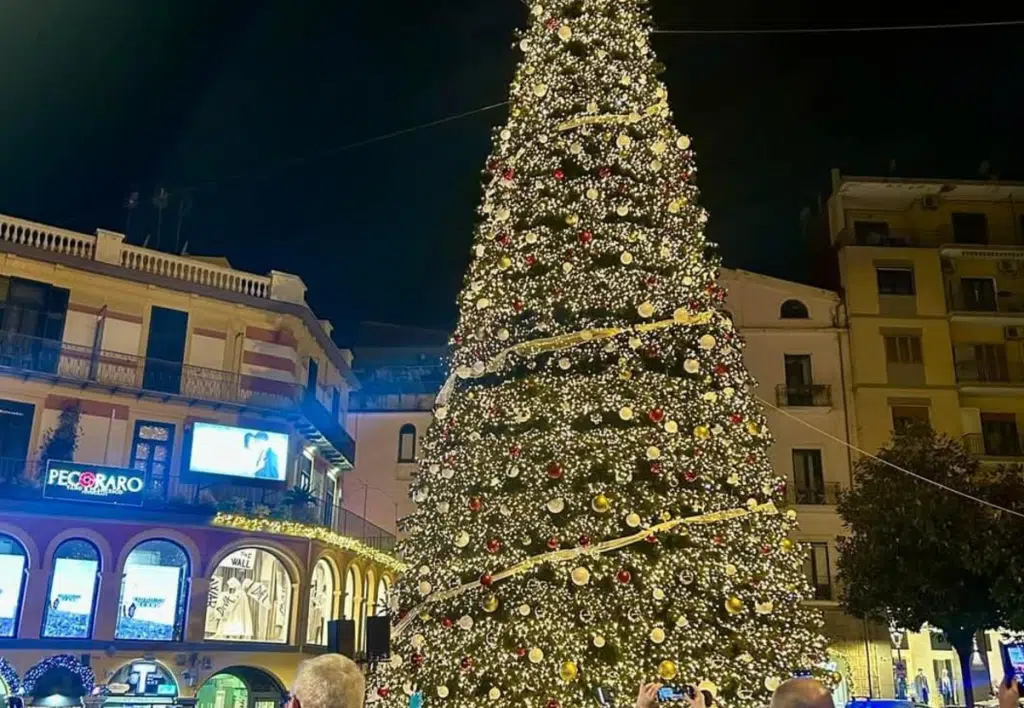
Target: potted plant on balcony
[[299, 504], [61, 441]]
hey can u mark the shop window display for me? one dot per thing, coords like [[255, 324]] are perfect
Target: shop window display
[[153, 592], [13, 562], [321, 603], [250, 598], [72, 597]]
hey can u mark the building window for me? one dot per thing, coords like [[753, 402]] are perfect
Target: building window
[[250, 598], [407, 443], [383, 596], [979, 294], [348, 609], [871, 233], [151, 453], [305, 472], [895, 281], [321, 603], [793, 310], [999, 434], [72, 597], [904, 349], [969, 227], [808, 477], [154, 592], [13, 569], [329, 503], [906, 417], [817, 570]]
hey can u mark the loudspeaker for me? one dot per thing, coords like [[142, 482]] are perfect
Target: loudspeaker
[[341, 637], [378, 638]]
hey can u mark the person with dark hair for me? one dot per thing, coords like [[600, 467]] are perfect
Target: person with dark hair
[[266, 458]]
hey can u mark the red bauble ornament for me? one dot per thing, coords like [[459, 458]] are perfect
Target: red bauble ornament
[[765, 550], [502, 239], [383, 691], [531, 260], [651, 281], [521, 652], [584, 541], [656, 469], [604, 172], [651, 538], [656, 415], [486, 580], [416, 660], [559, 174], [718, 540], [493, 546], [586, 237], [721, 369], [623, 576], [552, 23], [517, 306], [736, 418], [689, 475], [492, 165], [515, 451], [475, 504], [466, 663], [509, 175], [457, 339], [552, 703], [553, 543], [554, 471], [447, 622]]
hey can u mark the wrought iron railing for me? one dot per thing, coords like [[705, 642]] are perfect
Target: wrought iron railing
[[989, 372], [994, 445], [119, 371], [824, 494], [22, 479], [817, 395], [960, 298]]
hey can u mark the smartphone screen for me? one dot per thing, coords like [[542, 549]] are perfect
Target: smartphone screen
[[668, 694], [1015, 654]]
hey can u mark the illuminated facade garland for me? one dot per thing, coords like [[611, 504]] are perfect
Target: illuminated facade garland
[[59, 661]]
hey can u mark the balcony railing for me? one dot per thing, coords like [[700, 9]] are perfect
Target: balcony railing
[[398, 387], [118, 371], [927, 238], [22, 480], [827, 494], [986, 372], [992, 445], [961, 299], [816, 395]]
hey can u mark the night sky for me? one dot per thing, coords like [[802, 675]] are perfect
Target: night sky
[[103, 97]]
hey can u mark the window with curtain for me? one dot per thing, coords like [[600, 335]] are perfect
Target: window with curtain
[[321, 603], [154, 592], [250, 598], [13, 568], [71, 600]]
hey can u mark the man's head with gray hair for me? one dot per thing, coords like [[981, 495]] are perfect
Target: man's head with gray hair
[[328, 681], [802, 693]]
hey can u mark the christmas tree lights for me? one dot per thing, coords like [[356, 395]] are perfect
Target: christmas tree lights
[[595, 500]]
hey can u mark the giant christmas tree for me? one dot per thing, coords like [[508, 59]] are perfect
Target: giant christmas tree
[[596, 505]]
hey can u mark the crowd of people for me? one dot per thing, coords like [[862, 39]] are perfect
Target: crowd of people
[[334, 681]]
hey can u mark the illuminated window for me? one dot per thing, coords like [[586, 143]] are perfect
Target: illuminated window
[[13, 567], [72, 597], [407, 443], [250, 598], [321, 603], [383, 591], [793, 310], [154, 591]]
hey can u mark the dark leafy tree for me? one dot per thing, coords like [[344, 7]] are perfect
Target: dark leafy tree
[[61, 441], [918, 554]]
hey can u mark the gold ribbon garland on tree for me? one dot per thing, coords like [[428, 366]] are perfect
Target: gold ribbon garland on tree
[[574, 553]]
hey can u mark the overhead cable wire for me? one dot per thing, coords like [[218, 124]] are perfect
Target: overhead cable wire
[[847, 30]]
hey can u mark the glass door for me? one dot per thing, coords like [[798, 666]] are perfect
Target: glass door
[[152, 447]]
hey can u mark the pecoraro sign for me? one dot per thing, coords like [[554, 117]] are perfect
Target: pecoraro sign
[[73, 481]]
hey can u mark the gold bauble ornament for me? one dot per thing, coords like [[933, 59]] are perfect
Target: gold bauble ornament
[[568, 671], [707, 342], [504, 262], [764, 608], [593, 193], [667, 670], [691, 366], [494, 694], [653, 453], [753, 428], [622, 209], [599, 641], [490, 603], [734, 605], [565, 33], [556, 505], [787, 545], [730, 570], [580, 576], [772, 682], [626, 258], [624, 141], [633, 520], [671, 427], [683, 143], [701, 432], [626, 413], [659, 147], [645, 309], [657, 635], [540, 90], [442, 691], [572, 219], [601, 504]]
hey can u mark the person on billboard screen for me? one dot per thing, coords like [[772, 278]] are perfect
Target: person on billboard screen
[[266, 459]]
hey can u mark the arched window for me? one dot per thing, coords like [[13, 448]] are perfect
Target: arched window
[[72, 597], [367, 599], [793, 310], [13, 568], [348, 610], [154, 592], [407, 443], [383, 596], [250, 598], [321, 603]]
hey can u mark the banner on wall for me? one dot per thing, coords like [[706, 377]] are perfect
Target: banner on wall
[[73, 481], [151, 594], [12, 574]]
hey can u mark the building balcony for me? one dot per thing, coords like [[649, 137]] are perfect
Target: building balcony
[[825, 495], [989, 304], [806, 395], [993, 374], [115, 372], [1007, 447], [990, 244], [21, 486], [398, 387]]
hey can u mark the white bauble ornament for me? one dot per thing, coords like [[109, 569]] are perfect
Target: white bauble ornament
[[524, 610], [494, 694], [659, 147], [424, 570], [565, 33], [556, 505], [772, 682], [691, 366], [683, 143], [396, 660], [424, 588], [730, 570], [657, 635], [462, 539], [658, 594], [624, 141], [418, 641], [447, 473], [707, 342], [764, 608], [466, 622], [564, 363], [442, 691], [671, 427], [599, 641], [645, 309], [626, 413], [540, 90], [580, 575], [535, 655], [633, 520], [442, 507], [626, 258], [506, 134]]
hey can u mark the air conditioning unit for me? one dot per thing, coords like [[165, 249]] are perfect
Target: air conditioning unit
[[930, 202], [1013, 332], [948, 266], [1008, 267]]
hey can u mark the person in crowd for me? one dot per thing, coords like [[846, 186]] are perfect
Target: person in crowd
[[802, 693], [1009, 693], [328, 681], [921, 688]]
